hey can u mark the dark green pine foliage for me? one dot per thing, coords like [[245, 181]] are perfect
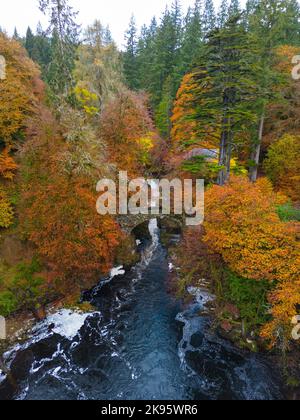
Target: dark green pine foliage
[[227, 89], [209, 18], [64, 33], [39, 49], [270, 24], [146, 58], [164, 109], [223, 13], [234, 8], [30, 42], [275, 22], [167, 69], [192, 39], [130, 56], [167, 49], [16, 36]]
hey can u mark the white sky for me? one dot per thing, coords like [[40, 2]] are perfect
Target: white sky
[[115, 13]]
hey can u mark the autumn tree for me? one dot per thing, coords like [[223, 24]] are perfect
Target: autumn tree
[[188, 130], [242, 225], [98, 68], [282, 165], [58, 211], [125, 127], [18, 91]]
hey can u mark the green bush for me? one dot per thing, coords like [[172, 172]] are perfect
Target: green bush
[[287, 212], [8, 303], [24, 290], [249, 296]]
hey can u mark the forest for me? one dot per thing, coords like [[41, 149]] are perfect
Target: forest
[[210, 94]]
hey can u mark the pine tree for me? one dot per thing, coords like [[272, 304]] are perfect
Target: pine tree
[[64, 32], [29, 42], [270, 23], [16, 36], [208, 17], [234, 8], [130, 56], [223, 13], [227, 89], [192, 39], [164, 109], [147, 58]]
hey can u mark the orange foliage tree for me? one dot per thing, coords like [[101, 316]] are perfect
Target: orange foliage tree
[[125, 121], [7, 165], [18, 90], [242, 225], [186, 129], [184, 126], [58, 212]]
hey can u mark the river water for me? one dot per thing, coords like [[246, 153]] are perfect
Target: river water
[[139, 345]]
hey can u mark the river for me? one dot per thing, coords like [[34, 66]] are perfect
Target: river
[[140, 344]]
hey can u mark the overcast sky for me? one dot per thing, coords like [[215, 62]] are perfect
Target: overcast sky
[[115, 13]]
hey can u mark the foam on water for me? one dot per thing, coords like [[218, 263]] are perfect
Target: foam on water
[[67, 323], [117, 271]]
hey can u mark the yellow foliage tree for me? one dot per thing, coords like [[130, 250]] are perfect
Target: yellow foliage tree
[[18, 90], [6, 211], [242, 225]]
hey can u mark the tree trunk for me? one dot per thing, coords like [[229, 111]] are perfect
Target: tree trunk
[[222, 158], [255, 155]]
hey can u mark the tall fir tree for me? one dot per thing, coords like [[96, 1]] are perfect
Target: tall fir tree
[[208, 17], [223, 13], [234, 8], [227, 100], [192, 39], [30, 42], [271, 24], [130, 56], [64, 32]]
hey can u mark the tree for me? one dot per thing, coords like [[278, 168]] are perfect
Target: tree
[[184, 118], [57, 208], [130, 55], [146, 58], [227, 89], [64, 36], [282, 165], [208, 17], [7, 165], [125, 122], [242, 225], [234, 8], [98, 69], [6, 210], [18, 92], [271, 24], [29, 42], [192, 41], [38, 48], [164, 110], [16, 35], [223, 13]]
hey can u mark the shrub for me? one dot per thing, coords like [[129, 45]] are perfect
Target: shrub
[[287, 212], [249, 296]]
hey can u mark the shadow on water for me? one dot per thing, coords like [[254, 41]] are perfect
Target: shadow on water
[[137, 346]]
